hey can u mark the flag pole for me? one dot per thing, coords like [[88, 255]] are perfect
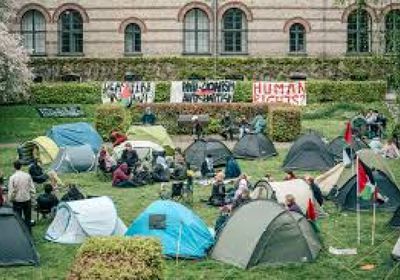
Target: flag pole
[[373, 221], [358, 207]]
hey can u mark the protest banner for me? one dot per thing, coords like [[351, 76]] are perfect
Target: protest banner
[[293, 93], [139, 92]]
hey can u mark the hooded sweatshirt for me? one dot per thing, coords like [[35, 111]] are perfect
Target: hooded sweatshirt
[[120, 174]]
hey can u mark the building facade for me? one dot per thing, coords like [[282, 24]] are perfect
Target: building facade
[[120, 28]]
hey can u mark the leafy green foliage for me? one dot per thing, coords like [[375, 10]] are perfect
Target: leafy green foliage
[[109, 117], [163, 91], [66, 93], [284, 123], [243, 92], [118, 258], [167, 114]]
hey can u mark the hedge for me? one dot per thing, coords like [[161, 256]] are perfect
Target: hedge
[[109, 117], [167, 114], [66, 93], [284, 123], [182, 68], [318, 91], [118, 258]]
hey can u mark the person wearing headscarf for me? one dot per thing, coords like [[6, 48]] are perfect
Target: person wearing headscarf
[[122, 178]]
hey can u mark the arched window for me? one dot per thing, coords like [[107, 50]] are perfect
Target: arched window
[[359, 31], [33, 31], [297, 38], [133, 38], [392, 31], [234, 31], [70, 26], [196, 32]]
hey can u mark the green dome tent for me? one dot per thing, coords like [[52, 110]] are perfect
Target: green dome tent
[[253, 146], [263, 232], [154, 133], [337, 145], [196, 153]]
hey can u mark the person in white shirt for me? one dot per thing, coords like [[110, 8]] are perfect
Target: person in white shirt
[[21, 192]]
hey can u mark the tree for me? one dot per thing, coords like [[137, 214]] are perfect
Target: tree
[[15, 75]]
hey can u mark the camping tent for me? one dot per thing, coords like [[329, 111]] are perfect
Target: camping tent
[[395, 220], [48, 150], [337, 145], [144, 149], [308, 153], [329, 179], [396, 251], [75, 134], [75, 159], [154, 133], [346, 184], [181, 232], [359, 126], [77, 220], [196, 153], [298, 188], [253, 146], [16, 244], [263, 232]]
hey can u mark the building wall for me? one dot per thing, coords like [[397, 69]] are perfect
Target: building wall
[[163, 36]]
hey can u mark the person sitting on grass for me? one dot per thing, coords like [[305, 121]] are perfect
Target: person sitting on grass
[[36, 172], [218, 192], [242, 199], [290, 176], [148, 117], [129, 156], [242, 186], [207, 167], [291, 204], [376, 145], [122, 178], [117, 138], [47, 201], [232, 169], [107, 164], [390, 150]]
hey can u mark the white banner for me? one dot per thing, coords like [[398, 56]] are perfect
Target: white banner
[[140, 92], [280, 92], [202, 91]]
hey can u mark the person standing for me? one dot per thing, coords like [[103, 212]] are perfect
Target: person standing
[[21, 191]]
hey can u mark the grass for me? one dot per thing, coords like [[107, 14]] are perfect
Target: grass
[[338, 229]]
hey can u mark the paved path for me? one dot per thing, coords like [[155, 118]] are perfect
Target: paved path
[[390, 101], [8, 145]]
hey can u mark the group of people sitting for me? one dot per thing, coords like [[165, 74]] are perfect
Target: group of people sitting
[[388, 150], [243, 126], [241, 193]]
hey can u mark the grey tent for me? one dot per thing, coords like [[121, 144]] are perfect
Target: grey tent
[[252, 146], [196, 153], [396, 251], [347, 183], [75, 159], [308, 153], [395, 220], [263, 232], [337, 145], [16, 244]]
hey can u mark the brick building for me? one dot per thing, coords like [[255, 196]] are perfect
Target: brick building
[[120, 28]]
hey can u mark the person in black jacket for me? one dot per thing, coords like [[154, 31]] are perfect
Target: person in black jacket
[[36, 172], [315, 189], [227, 127], [129, 156], [218, 192], [207, 167], [47, 201]]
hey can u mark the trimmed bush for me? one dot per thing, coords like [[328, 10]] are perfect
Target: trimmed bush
[[319, 91], [118, 258], [109, 117], [284, 123], [66, 93], [243, 92], [163, 91], [168, 114]]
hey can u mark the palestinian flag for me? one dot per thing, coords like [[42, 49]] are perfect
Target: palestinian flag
[[348, 135], [365, 181]]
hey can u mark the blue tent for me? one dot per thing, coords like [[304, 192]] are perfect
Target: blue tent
[[181, 232], [75, 134]]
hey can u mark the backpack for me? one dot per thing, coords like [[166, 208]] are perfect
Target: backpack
[[73, 194]]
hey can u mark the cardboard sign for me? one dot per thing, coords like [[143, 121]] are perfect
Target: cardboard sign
[[202, 91], [140, 92], [60, 112], [280, 92]]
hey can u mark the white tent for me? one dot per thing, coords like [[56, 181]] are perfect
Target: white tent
[[144, 149], [330, 178], [298, 188], [396, 251], [77, 220]]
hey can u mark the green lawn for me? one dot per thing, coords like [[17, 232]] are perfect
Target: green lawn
[[338, 229]]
